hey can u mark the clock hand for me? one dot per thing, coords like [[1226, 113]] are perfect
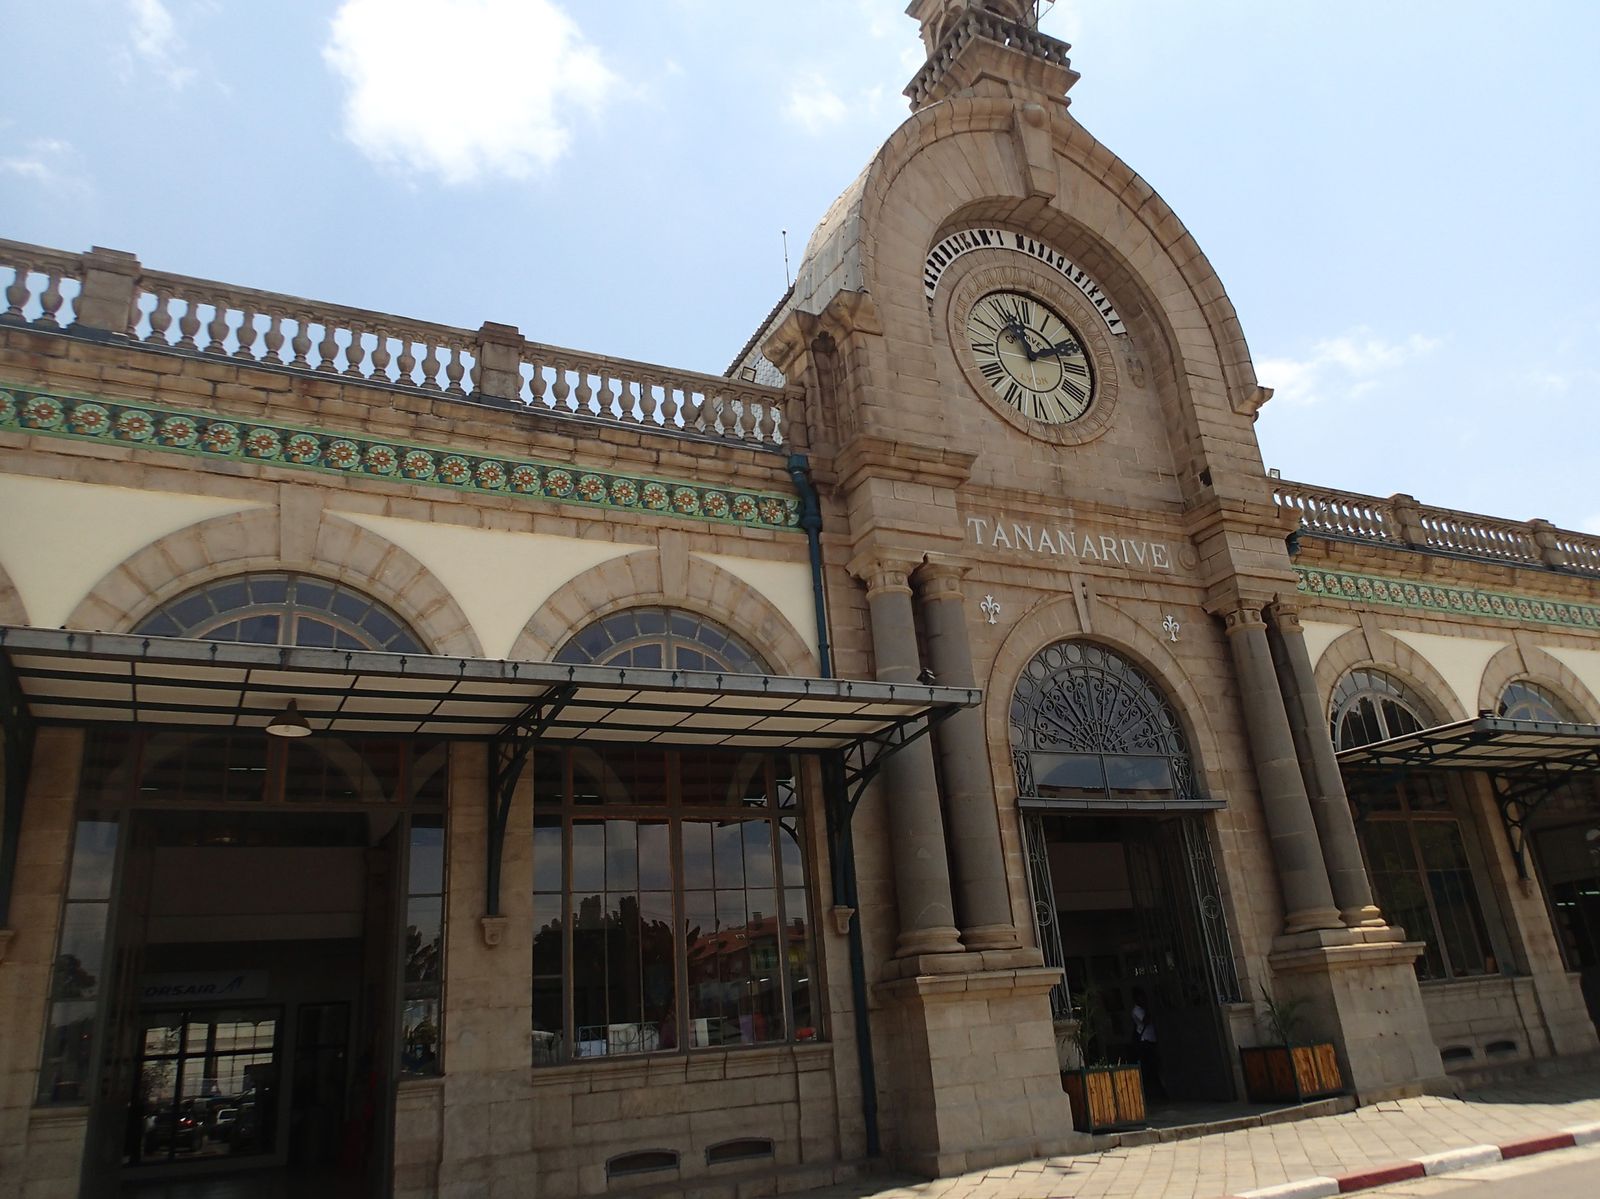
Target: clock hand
[[1020, 333], [1067, 347]]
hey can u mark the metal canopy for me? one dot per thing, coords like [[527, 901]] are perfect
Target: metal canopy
[[1526, 760], [88, 678]]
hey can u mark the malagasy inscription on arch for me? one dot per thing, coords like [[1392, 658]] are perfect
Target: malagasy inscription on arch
[[1103, 546], [965, 241]]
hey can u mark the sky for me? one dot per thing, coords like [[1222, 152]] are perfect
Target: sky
[[1398, 196]]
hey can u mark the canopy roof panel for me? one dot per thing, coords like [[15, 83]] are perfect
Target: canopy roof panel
[[89, 678], [1513, 749]]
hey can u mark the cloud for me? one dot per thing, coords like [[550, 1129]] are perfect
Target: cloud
[[464, 89], [814, 106], [1341, 367], [46, 163], [156, 40]]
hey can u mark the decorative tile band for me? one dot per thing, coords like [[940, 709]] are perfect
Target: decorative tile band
[[150, 427], [1435, 597]]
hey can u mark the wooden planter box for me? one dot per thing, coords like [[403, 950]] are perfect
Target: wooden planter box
[[1290, 1073], [1105, 1097]]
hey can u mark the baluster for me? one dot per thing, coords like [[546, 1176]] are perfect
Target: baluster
[[647, 402], [584, 393], [302, 342], [536, 386], [217, 328], [671, 406], [717, 405], [355, 353], [430, 367], [161, 319], [328, 350], [694, 411], [274, 338], [189, 325], [50, 302], [766, 422], [246, 347], [606, 402], [381, 356], [562, 390], [455, 370], [407, 363], [17, 293]]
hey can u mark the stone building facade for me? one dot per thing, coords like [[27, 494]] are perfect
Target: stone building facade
[[725, 781]]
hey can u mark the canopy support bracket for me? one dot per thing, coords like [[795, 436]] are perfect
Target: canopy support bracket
[[508, 754], [17, 727]]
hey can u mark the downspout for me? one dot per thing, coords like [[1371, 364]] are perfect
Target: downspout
[[811, 522], [841, 840]]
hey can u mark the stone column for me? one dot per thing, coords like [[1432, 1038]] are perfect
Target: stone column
[[1341, 852], [983, 899], [921, 869], [1307, 895]]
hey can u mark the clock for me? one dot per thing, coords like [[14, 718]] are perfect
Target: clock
[[1030, 357]]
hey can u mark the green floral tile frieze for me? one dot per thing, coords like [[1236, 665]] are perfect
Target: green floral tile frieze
[[211, 436], [1437, 597]]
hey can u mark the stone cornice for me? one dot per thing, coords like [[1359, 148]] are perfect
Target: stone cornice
[[868, 456]]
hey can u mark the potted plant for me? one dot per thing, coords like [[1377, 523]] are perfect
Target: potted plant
[[1105, 1093], [1294, 1068]]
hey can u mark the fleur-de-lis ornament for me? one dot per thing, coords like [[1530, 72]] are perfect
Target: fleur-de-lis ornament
[[990, 608], [1170, 626]]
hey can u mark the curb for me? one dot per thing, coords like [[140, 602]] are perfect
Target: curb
[[1434, 1163]]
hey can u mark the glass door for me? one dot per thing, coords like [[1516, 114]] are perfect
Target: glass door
[[207, 1086]]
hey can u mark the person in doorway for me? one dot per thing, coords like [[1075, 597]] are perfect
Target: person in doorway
[[1147, 1046]]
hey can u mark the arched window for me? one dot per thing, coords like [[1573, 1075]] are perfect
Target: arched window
[[1369, 705], [671, 906], [1088, 725], [1413, 842], [1522, 700], [282, 609], [660, 638]]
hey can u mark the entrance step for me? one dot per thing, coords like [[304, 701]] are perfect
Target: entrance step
[[1207, 1123], [755, 1184]]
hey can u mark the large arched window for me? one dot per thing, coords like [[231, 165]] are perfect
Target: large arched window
[[1523, 700], [660, 638], [282, 609], [1087, 725], [1369, 705], [1413, 841], [670, 902]]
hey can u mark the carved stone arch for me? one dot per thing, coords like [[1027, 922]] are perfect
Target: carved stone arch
[[12, 609], [635, 581], [240, 543], [1378, 650], [1116, 193], [1543, 670]]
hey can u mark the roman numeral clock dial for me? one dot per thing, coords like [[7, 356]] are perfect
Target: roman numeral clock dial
[[1032, 359]]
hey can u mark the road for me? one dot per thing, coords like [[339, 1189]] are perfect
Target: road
[[1565, 1174]]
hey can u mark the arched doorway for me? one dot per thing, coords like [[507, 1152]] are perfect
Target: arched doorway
[[266, 916], [1125, 890]]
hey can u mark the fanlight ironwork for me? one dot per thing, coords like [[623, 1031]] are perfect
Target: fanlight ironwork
[[1087, 725]]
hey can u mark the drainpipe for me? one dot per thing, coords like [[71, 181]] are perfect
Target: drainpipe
[[811, 522], [841, 841]]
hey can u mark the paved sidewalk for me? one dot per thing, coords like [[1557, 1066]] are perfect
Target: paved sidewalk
[[1229, 1163]]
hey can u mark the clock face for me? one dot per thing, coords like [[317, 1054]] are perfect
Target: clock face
[[1031, 357]]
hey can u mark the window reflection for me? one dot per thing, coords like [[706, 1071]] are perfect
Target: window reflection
[[702, 887]]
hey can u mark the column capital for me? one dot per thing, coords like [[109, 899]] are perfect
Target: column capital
[[939, 577], [881, 572], [1285, 615], [1243, 619]]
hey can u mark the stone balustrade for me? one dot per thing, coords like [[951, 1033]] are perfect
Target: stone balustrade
[[1401, 521], [976, 23], [110, 294]]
